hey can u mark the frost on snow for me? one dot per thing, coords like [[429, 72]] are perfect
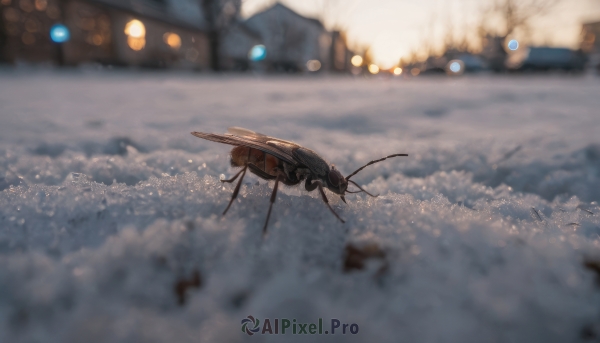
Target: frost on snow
[[111, 226]]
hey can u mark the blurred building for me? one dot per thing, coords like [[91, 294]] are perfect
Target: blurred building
[[151, 33], [590, 44], [551, 58], [236, 43], [291, 42]]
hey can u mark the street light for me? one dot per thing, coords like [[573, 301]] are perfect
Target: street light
[[136, 34], [59, 33], [257, 53], [373, 69], [356, 60]]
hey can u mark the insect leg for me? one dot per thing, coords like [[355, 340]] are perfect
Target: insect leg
[[234, 177], [311, 186], [237, 188], [273, 197]]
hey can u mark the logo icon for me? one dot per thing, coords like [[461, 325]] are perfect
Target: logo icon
[[247, 323]]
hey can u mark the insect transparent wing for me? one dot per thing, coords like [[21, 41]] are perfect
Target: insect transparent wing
[[286, 147], [241, 132], [249, 142], [298, 153]]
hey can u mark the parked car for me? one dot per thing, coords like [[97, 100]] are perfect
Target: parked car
[[547, 58]]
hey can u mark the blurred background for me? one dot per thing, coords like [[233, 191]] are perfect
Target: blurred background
[[360, 37]]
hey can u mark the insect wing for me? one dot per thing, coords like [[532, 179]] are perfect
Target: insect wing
[[310, 159], [249, 141], [299, 154], [284, 146], [241, 132]]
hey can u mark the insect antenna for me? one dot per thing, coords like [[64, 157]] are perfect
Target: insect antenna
[[372, 162], [362, 190]]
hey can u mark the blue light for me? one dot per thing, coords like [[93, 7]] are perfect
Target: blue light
[[455, 67], [257, 53], [59, 33], [513, 45]]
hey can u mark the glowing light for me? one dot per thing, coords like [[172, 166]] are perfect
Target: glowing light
[[136, 44], [455, 67], [373, 69], [59, 33], [415, 71], [356, 60], [173, 40], [135, 29], [41, 5], [136, 34], [313, 65], [12, 14], [97, 39], [257, 53], [397, 71], [513, 45]]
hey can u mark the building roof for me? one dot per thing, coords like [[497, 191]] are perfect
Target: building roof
[[183, 13], [278, 7], [289, 37]]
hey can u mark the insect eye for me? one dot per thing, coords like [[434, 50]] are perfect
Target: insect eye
[[334, 177]]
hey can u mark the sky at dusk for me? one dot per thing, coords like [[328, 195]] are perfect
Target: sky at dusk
[[393, 28]]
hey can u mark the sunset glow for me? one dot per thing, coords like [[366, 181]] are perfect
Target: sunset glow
[[394, 28]]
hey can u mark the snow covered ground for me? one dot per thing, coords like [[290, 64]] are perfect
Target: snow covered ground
[[111, 226]]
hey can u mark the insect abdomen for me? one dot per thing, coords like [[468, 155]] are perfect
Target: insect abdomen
[[241, 155]]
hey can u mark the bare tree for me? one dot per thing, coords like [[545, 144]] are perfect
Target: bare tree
[[513, 15], [333, 12]]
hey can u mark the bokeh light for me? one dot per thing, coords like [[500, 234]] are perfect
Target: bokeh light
[[397, 71], [356, 60], [257, 53], [313, 65], [12, 15], [513, 45], [173, 40], [97, 39], [59, 33], [136, 44], [136, 34], [373, 69], [135, 29], [455, 67], [41, 5]]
